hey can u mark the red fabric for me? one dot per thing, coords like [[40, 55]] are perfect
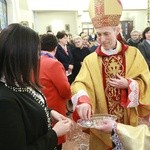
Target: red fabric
[[121, 39], [56, 87], [75, 116], [81, 100], [124, 98], [120, 94]]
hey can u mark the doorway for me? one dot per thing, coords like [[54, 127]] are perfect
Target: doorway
[[127, 27]]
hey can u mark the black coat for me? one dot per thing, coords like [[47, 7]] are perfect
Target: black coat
[[23, 122], [133, 43], [144, 48], [78, 57], [65, 59]]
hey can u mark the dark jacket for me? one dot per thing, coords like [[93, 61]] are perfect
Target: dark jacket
[[78, 56], [23, 122], [133, 43], [65, 59], [144, 48]]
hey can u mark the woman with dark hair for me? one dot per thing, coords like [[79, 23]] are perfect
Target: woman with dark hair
[[56, 87], [144, 46], [25, 120], [63, 53]]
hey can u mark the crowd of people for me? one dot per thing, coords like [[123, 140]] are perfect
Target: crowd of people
[[97, 74]]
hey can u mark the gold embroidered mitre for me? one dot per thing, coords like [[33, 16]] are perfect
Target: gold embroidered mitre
[[105, 12]]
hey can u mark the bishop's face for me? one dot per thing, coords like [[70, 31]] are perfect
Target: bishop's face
[[107, 37]]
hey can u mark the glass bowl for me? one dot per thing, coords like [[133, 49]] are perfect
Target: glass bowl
[[85, 123], [96, 120]]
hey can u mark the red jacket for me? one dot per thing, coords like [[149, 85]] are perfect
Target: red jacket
[[56, 87]]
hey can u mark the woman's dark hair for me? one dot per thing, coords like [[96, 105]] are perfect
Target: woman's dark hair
[[61, 34], [48, 42], [145, 31], [19, 49]]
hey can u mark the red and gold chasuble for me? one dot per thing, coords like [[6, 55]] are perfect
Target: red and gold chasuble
[[90, 86], [111, 66]]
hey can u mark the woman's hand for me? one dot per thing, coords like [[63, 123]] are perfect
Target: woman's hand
[[55, 116], [62, 127]]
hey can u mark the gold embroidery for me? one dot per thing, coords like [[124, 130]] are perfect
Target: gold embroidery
[[113, 65], [103, 15]]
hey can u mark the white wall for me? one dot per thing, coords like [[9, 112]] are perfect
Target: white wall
[[26, 15], [16, 12], [19, 10], [64, 5], [56, 19], [139, 18], [79, 4], [12, 11], [134, 4]]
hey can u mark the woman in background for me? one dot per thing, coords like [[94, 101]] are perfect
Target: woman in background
[[85, 40], [135, 38], [25, 120], [144, 46], [79, 52], [53, 79], [63, 53]]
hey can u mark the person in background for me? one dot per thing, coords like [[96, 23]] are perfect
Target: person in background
[[144, 46], [50, 32], [95, 45], [140, 36], [80, 34], [70, 43], [25, 119], [120, 36], [125, 137], [79, 53], [53, 79], [63, 53], [135, 39], [113, 80], [92, 37], [85, 40]]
